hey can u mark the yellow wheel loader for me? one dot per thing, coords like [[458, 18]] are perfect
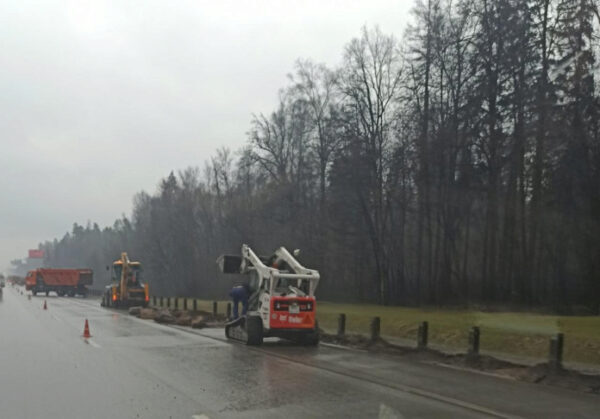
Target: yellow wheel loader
[[127, 288]]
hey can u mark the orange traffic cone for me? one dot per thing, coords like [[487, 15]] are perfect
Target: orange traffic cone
[[86, 330], [45, 306]]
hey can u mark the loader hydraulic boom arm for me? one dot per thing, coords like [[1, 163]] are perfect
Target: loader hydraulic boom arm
[[252, 262]]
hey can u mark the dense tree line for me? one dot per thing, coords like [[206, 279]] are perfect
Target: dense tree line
[[458, 165]]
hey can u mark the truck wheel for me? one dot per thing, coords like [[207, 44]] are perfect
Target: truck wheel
[[254, 329], [71, 293], [60, 293], [34, 292]]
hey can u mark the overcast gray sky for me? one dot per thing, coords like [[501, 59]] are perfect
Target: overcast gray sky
[[100, 99]]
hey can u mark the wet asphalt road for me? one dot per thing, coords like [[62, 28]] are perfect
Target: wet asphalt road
[[134, 368]]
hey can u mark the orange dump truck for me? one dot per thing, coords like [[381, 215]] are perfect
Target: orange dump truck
[[62, 281]]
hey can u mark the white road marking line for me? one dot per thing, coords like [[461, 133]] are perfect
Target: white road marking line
[[94, 344], [200, 417]]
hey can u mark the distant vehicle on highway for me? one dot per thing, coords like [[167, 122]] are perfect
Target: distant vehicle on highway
[[69, 282], [16, 280]]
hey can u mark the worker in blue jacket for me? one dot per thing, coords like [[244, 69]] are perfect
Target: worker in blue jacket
[[240, 294]]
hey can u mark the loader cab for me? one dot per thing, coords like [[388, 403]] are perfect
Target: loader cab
[[134, 274], [254, 282], [282, 285], [116, 271], [298, 287], [275, 285]]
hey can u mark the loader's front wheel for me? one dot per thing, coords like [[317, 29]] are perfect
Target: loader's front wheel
[[254, 329]]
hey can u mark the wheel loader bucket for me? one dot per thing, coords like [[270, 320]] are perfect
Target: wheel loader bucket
[[229, 264]]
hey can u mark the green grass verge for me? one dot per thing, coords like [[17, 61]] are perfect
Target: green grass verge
[[517, 334]]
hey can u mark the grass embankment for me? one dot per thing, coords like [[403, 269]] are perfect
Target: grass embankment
[[517, 334]]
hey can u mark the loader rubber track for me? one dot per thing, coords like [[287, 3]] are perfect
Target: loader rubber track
[[245, 329]]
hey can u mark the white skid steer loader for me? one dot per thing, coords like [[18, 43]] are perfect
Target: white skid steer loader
[[282, 300]]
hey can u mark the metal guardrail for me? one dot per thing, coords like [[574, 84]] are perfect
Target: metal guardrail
[[186, 303], [555, 353]]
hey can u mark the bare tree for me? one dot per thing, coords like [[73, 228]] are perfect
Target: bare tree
[[370, 82]]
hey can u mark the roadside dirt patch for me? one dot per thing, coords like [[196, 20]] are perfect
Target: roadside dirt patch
[[196, 319], [545, 374], [198, 322], [164, 316], [147, 313], [542, 373], [135, 311], [184, 319]]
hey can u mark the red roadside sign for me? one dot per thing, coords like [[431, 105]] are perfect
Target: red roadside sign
[[36, 254]]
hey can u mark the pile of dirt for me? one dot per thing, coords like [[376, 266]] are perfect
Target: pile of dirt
[[135, 311], [195, 319], [198, 322], [542, 373], [184, 319], [147, 313], [560, 377], [164, 316], [484, 362], [143, 313]]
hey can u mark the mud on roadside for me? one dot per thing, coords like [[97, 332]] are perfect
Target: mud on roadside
[[542, 373], [196, 319]]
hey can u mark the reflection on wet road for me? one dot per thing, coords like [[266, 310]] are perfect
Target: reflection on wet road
[[133, 368]]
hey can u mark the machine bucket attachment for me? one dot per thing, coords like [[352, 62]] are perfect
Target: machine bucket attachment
[[229, 264]]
